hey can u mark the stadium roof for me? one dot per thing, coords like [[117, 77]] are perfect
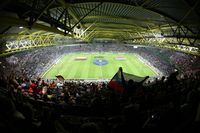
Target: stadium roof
[[164, 23]]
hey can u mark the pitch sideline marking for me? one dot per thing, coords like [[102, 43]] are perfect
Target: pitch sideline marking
[[53, 64], [158, 72]]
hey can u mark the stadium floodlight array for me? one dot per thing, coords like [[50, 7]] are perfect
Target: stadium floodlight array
[[28, 43], [18, 44]]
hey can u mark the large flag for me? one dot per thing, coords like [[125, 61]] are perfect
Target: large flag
[[117, 83], [60, 77], [135, 78]]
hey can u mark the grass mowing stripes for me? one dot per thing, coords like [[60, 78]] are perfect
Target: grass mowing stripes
[[70, 68]]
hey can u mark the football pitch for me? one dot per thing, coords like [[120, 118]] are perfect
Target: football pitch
[[97, 66]]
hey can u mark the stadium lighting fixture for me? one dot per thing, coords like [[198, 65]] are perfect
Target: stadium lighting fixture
[[61, 29], [21, 27], [158, 35]]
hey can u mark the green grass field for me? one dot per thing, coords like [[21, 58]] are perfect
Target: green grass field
[[70, 68]]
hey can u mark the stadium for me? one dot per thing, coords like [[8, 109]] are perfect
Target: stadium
[[100, 66]]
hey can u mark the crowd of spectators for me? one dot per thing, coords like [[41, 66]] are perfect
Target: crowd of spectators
[[168, 105], [32, 63], [168, 60], [30, 104]]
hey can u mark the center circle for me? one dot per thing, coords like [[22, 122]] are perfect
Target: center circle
[[100, 62]]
